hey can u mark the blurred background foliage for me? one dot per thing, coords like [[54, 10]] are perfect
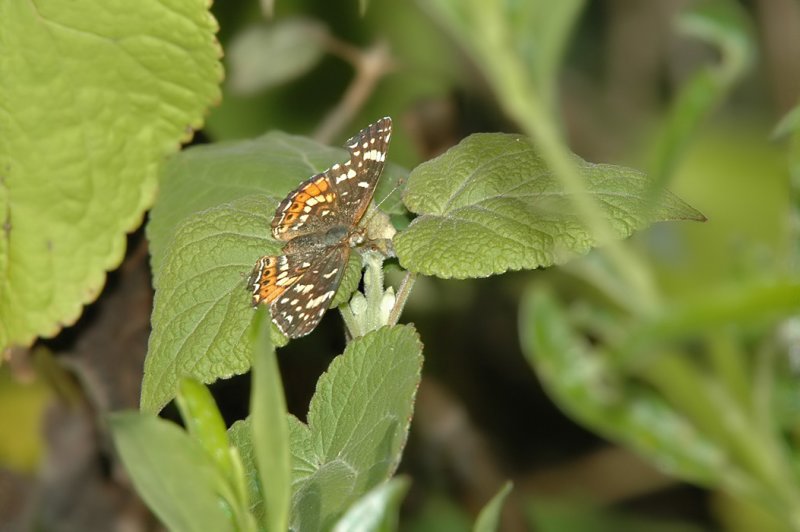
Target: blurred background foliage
[[689, 91]]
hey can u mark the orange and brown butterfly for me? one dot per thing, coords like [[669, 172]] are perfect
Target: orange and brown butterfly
[[319, 221]]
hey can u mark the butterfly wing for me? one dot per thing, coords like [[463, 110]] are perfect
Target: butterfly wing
[[341, 194], [298, 287]]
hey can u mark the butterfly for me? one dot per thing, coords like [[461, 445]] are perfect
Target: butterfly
[[319, 221]]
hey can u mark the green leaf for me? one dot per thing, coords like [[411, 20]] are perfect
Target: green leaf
[[202, 308], [358, 425], [93, 99], [171, 471], [208, 176], [489, 518], [377, 511], [205, 239], [585, 384], [240, 435], [490, 205], [263, 56], [204, 422], [270, 429]]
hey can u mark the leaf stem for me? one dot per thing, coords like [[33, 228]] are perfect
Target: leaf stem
[[402, 296]]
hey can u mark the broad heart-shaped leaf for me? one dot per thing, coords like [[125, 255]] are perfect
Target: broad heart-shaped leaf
[[490, 205], [174, 475], [208, 228], [93, 98], [357, 427], [204, 177]]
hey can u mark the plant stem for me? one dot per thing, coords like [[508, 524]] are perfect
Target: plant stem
[[402, 296]]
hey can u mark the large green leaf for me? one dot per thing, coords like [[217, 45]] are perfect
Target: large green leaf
[[357, 427], [490, 205], [204, 177], [210, 225], [93, 97], [174, 475]]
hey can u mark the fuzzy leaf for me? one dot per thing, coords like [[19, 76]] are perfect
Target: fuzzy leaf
[[490, 205], [93, 98], [358, 425], [209, 227]]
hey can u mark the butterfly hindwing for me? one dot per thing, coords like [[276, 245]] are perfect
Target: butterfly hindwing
[[299, 287]]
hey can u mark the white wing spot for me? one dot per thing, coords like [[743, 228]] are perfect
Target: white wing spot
[[363, 184], [331, 273], [351, 174]]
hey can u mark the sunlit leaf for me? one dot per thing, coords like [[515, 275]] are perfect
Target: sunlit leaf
[[93, 99]]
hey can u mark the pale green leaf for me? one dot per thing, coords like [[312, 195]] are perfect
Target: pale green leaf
[[270, 429], [584, 383], [93, 98], [171, 471], [489, 518], [491, 204], [265, 55], [204, 422], [377, 511]]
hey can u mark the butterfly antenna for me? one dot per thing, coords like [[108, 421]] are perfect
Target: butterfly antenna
[[400, 183]]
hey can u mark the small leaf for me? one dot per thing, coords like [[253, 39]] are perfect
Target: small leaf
[[489, 518], [377, 511], [490, 205], [263, 56], [171, 471], [204, 422], [358, 425], [93, 99], [270, 430]]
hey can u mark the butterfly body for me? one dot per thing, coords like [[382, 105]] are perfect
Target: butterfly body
[[319, 221]]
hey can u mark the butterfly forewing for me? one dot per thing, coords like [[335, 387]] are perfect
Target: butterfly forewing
[[341, 194]]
